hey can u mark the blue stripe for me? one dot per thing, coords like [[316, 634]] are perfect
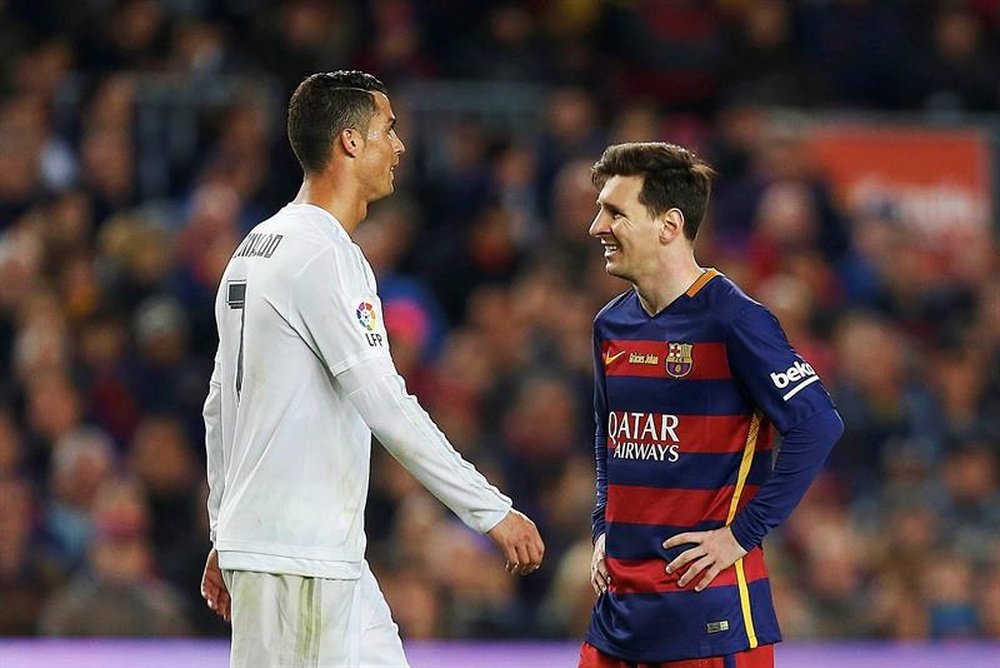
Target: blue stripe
[[679, 397], [765, 621], [692, 470], [673, 625], [760, 469], [645, 541]]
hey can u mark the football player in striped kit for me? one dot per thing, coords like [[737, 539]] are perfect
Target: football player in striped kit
[[690, 376]]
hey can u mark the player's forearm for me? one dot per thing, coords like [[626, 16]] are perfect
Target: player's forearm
[[212, 413], [601, 455], [803, 450], [409, 434], [598, 525]]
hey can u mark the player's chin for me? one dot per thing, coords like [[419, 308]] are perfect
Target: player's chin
[[384, 192], [613, 268]]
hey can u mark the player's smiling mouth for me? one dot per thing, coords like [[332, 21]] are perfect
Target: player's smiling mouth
[[610, 247]]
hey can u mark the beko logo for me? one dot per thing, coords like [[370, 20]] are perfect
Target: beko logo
[[799, 374]]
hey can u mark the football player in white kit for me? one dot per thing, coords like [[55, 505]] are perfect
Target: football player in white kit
[[303, 377]]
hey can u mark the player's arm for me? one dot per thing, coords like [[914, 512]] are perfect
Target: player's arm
[[212, 413], [339, 316], [378, 392], [790, 393], [599, 576], [213, 588], [804, 448]]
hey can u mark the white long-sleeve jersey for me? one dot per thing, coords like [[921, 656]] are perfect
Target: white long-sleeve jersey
[[302, 378]]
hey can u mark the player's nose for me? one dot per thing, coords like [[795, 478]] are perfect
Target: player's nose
[[599, 226]]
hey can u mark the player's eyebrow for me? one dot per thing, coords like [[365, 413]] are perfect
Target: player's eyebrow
[[610, 207], [392, 122]]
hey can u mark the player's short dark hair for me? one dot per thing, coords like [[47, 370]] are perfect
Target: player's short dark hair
[[323, 106], [673, 177]]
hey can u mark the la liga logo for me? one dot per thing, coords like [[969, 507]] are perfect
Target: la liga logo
[[367, 316]]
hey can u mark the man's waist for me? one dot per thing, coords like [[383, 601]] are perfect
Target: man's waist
[[648, 575], [268, 558]]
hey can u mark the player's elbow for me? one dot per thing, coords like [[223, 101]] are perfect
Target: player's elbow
[[835, 427], [822, 429], [827, 429]]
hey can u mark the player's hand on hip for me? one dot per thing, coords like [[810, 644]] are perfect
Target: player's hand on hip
[[600, 578], [713, 552], [518, 539], [213, 587]]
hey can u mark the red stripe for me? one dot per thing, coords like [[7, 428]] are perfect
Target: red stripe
[[649, 576], [695, 433], [758, 657], [749, 491], [707, 662], [591, 657], [648, 359], [765, 436], [671, 507]]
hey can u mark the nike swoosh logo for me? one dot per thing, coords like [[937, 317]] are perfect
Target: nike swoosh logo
[[608, 359]]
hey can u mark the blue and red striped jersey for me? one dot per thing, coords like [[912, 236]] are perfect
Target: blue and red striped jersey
[[684, 403]]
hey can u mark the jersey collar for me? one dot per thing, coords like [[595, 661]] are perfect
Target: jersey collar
[[702, 281], [333, 227]]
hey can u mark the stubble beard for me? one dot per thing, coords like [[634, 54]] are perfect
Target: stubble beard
[[383, 192], [616, 270]]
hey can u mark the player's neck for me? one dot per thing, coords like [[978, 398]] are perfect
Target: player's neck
[[671, 280], [345, 204]]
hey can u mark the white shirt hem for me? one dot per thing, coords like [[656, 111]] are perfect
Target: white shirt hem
[[269, 563]]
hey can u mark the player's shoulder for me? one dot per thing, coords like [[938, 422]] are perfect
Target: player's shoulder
[[727, 302], [308, 224], [737, 313], [608, 309], [311, 234]]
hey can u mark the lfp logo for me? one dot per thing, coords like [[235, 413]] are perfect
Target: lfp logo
[[367, 316]]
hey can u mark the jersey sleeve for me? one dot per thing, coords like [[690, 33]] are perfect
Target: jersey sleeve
[[338, 312], [214, 447], [804, 448], [403, 428], [600, 440], [789, 392], [784, 386]]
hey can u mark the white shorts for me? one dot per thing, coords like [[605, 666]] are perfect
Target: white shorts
[[301, 622]]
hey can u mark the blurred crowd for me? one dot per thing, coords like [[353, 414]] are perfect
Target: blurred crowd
[[110, 253]]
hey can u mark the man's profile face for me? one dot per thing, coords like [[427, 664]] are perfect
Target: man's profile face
[[381, 150], [629, 236]]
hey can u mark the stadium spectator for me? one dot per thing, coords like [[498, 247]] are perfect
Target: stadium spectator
[[82, 461], [117, 594], [27, 572]]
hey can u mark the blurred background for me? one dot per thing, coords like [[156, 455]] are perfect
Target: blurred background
[[856, 142]]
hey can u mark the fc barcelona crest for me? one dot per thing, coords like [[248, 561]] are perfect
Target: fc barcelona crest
[[679, 360]]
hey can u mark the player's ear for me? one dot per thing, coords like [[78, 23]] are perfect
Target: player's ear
[[671, 225], [350, 141]]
